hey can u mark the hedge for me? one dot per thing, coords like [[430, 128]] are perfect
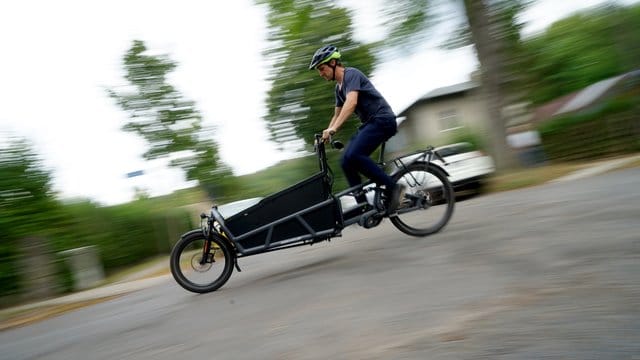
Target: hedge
[[612, 129]]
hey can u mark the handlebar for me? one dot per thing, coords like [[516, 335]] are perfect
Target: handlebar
[[336, 144], [322, 155]]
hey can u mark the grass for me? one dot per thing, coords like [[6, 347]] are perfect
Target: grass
[[522, 178], [517, 179]]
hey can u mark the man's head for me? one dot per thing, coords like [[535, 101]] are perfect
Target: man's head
[[325, 61]]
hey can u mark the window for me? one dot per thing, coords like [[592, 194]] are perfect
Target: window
[[449, 120], [455, 149]]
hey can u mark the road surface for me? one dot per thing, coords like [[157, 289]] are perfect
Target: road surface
[[547, 272]]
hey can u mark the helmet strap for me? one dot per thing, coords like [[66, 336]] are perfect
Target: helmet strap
[[335, 64]]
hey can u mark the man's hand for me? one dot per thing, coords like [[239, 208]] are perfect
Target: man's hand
[[327, 133]]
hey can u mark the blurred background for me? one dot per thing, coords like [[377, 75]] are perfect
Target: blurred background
[[118, 125]]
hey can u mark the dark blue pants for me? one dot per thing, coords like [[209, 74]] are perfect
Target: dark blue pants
[[356, 158]]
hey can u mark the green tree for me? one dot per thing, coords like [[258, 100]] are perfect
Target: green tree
[[26, 195], [490, 26], [170, 124], [300, 103], [582, 49], [296, 101]]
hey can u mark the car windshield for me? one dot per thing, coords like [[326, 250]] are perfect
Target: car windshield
[[454, 149]]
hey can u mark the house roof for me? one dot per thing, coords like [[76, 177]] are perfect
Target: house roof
[[589, 94], [441, 92], [547, 110], [449, 90], [580, 99]]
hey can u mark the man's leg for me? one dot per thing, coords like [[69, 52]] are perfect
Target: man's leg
[[357, 159]]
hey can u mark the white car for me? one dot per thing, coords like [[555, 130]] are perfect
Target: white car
[[468, 168]]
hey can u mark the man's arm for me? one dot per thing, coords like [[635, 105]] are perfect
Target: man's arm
[[342, 114], [326, 133], [336, 113]]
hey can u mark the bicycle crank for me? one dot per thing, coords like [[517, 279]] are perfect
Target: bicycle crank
[[370, 221]]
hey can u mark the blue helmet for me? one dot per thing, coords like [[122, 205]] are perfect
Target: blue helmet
[[323, 55]]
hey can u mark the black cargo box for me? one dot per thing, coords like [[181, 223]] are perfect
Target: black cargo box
[[283, 204]]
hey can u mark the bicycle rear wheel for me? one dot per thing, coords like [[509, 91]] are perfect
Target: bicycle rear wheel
[[201, 265], [428, 202]]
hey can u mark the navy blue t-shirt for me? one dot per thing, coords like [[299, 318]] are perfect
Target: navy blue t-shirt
[[370, 103]]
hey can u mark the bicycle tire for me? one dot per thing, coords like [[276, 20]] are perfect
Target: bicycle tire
[[187, 255], [429, 200]]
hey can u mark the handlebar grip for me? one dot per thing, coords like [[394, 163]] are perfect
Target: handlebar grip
[[336, 144]]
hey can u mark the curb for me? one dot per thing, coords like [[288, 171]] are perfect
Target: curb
[[597, 168], [92, 294]]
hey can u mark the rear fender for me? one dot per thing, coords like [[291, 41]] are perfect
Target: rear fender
[[425, 163]]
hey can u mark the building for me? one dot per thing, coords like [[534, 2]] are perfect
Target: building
[[431, 119]]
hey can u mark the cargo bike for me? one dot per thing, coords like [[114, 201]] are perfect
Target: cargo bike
[[309, 212]]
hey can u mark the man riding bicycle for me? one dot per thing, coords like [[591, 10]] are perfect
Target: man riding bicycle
[[355, 93]]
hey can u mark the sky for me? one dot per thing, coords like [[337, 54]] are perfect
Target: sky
[[58, 57]]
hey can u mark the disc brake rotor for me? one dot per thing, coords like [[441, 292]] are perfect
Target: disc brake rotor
[[198, 266]]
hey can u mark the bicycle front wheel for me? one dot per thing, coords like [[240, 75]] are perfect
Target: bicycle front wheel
[[428, 202], [201, 265]]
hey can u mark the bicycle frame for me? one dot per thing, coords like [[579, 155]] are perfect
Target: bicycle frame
[[309, 229], [305, 213], [271, 244]]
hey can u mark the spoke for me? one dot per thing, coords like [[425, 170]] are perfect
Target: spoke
[[419, 214]]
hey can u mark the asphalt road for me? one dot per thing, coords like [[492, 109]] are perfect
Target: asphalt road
[[548, 272]]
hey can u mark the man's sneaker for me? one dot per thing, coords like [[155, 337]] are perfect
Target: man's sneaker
[[396, 197]]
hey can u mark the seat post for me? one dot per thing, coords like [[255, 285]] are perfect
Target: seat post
[[381, 157]]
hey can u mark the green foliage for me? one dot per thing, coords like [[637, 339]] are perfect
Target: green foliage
[[413, 22], [25, 195], [275, 178], [407, 22], [582, 49], [494, 30], [124, 234], [170, 124], [476, 140], [286, 173], [65, 275], [300, 103]]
